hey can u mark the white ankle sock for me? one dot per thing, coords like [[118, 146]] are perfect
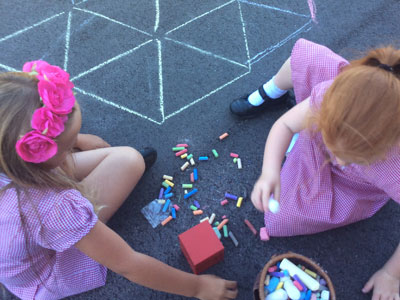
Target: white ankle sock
[[270, 89]]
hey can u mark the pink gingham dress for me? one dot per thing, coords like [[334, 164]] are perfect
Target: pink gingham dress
[[55, 222], [315, 195]]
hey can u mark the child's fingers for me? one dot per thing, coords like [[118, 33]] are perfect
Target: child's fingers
[[265, 198], [256, 198], [368, 286], [231, 284], [231, 294], [277, 192]]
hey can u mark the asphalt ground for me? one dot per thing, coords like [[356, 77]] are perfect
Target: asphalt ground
[[157, 73]]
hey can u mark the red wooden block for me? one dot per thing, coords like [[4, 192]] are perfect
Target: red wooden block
[[201, 247]]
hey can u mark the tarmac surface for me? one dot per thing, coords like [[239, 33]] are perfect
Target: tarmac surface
[[162, 72]]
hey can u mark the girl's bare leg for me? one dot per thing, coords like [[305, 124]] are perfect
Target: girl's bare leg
[[111, 173], [283, 79]]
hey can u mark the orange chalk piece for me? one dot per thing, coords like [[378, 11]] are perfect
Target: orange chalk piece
[[224, 222], [192, 177], [166, 220], [198, 212], [250, 226], [222, 136], [201, 247]]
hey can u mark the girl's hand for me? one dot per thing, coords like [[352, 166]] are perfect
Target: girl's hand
[[385, 285], [214, 288], [90, 142], [268, 183]]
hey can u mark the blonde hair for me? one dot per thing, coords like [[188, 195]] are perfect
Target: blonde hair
[[359, 116]]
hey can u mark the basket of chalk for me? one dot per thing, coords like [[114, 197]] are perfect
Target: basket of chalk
[[293, 276]]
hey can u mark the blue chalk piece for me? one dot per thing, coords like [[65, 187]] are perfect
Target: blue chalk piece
[[203, 158], [286, 272], [191, 193], [196, 203], [302, 295], [166, 205], [217, 232], [166, 196], [230, 196], [278, 264], [167, 190], [277, 274], [173, 212], [161, 193], [195, 175], [322, 281], [273, 283], [308, 295]]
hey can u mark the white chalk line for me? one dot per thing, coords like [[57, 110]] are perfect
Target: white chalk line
[[157, 22], [202, 15], [67, 39], [30, 27], [109, 61], [81, 2], [121, 107], [111, 20], [160, 79], [244, 36], [267, 51], [8, 68], [274, 8], [205, 96], [206, 52]]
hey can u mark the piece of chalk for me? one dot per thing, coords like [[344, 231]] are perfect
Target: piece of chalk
[[171, 184], [198, 212], [272, 269], [187, 186], [273, 283], [196, 203], [234, 155], [205, 219], [223, 222], [176, 207], [191, 177], [168, 190], [277, 295], [166, 196], [222, 136], [179, 153], [233, 238], [295, 277], [184, 166], [280, 285], [217, 232], [161, 201], [195, 174], [192, 161], [215, 153], [223, 217], [178, 148], [225, 230], [291, 289], [325, 295], [191, 193], [298, 285], [166, 205], [235, 160], [160, 195], [184, 155], [212, 218], [189, 156], [173, 212], [167, 177], [310, 282], [264, 236], [224, 202], [273, 205], [239, 163], [216, 223], [239, 202], [164, 184], [202, 158], [182, 145], [251, 227], [311, 273], [230, 196], [185, 191], [267, 278], [192, 207], [169, 218]]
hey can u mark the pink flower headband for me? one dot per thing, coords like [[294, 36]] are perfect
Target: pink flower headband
[[55, 90]]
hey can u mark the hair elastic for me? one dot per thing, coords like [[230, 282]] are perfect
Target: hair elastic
[[386, 67]]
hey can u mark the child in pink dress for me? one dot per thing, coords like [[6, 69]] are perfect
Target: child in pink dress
[[53, 241], [345, 164]]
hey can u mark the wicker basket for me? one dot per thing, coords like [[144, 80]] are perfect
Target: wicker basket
[[296, 259]]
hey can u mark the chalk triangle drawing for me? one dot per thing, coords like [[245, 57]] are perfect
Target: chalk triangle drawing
[[175, 13], [93, 41], [266, 28], [131, 82], [46, 41], [197, 73], [214, 31], [138, 13]]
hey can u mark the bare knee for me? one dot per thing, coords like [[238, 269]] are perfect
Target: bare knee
[[132, 159]]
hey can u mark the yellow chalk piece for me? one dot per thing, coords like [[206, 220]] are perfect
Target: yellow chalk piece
[[184, 155], [239, 202], [311, 273], [171, 184], [279, 286], [266, 282]]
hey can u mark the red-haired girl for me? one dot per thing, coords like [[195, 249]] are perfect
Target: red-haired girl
[[345, 164]]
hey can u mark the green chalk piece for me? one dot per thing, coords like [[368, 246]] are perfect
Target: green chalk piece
[[178, 148], [215, 153], [235, 160], [192, 207], [225, 228], [216, 224], [189, 156], [164, 184], [187, 186]]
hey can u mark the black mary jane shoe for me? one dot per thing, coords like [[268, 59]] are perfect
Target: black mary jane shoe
[[150, 156], [242, 108]]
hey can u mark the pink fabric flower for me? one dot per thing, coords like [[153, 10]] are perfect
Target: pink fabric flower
[[36, 65], [58, 98], [35, 147], [44, 119], [56, 75]]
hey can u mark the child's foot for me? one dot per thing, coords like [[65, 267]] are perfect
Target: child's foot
[[150, 156], [244, 109]]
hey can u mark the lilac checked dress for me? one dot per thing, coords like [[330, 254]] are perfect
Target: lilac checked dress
[[52, 268], [317, 195]]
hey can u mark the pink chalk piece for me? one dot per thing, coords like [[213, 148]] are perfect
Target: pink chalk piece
[[313, 296], [234, 155], [298, 285], [182, 145], [223, 217], [272, 269], [192, 177], [264, 236], [224, 202], [176, 207], [251, 227], [179, 153]]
